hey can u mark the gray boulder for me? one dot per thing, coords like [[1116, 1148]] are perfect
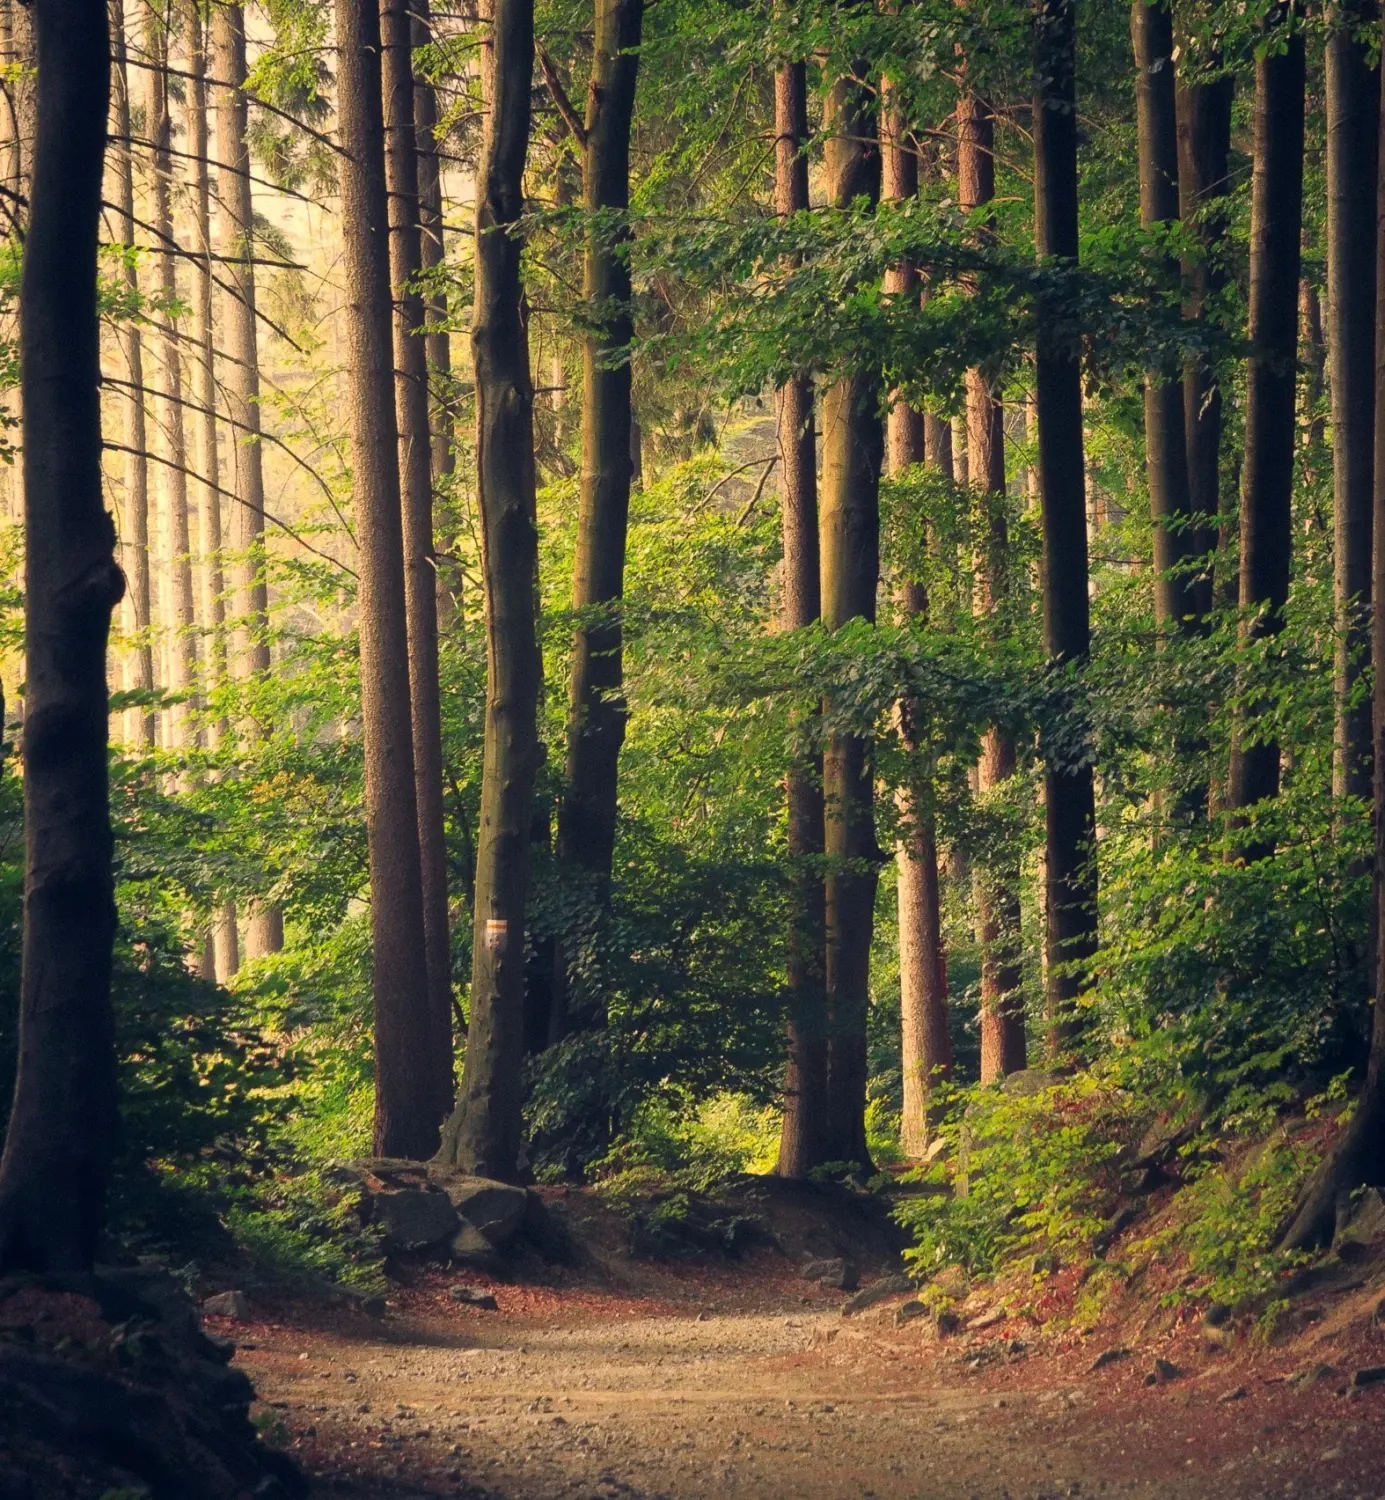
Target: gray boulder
[[495, 1208], [414, 1219]]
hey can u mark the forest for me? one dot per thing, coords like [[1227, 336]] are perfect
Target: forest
[[668, 653]]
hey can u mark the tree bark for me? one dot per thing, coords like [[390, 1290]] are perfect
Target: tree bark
[[852, 444], [484, 1133], [1069, 802], [420, 561], [1267, 480], [801, 1138], [1353, 129], [58, 1146], [406, 1098], [263, 928]]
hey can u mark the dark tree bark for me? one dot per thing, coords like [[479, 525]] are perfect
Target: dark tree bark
[[852, 449], [406, 1099], [1353, 129], [62, 1125], [1267, 479], [484, 1132], [996, 882], [1166, 454], [596, 707], [420, 561], [805, 1080], [1069, 811]]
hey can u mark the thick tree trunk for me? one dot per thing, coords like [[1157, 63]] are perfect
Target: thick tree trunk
[[416, 487], [852, 443], [62, 1125], [1353, 129], [406, 1098], [805, 1080], [135, 541], [996, 882], [1069, 804], [176, 589], [1267, 480], [596, 707], [1166, 448], [484, 1133]]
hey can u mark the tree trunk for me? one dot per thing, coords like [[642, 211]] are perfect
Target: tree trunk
[[420, 562], [62, 1125], [801, 1138], [484, 1133], [263, 929], [406, 1098], [596, 706], [1166, 447], [1353, 129], [1267, 481], [176, 589], [1069, 804], [135, 548], [852, 443]]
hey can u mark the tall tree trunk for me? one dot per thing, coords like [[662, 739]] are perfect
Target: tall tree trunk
[[416, 486], [1353, 129], [484, 1132], [406, 1096], [852, 443], [135, 549], [596, 706], [1166, 447], [1069, 803], [925, 1042], [263, 928], [801, 1138], [1267, 481], [176, 589], [996, 881], [62, 1124]]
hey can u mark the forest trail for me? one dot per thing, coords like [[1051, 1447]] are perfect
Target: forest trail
[[747, 1383]]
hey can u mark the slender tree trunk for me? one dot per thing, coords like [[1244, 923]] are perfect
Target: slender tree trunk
[[1069, 803], [852, 443], [484, 1132], [925, 1042], [136, 490], [176, 589], [1353, 129], [1267, 480], [406, 1095], [263, 928], [596, 706], [416, 486], [805, 1080], [1166, 447], [62, 1124]]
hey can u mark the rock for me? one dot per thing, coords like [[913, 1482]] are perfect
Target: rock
[[946, 1323], [228, 1305], [878, 1291], [1044, 1265], [837, 1272], [495, 1208], [370, 1303], [469, 1247], [1369, 1375], [986, 1320], [1162, 1371], [473, 1296], [1378, 1316], [1311, 1375], [1146, 1180], [1360, 1218], [1216, 1315], [414, 1219], [1236, 1393], [906, 1312], [1114, 1227], [1107, 1357], [1029, 1081]]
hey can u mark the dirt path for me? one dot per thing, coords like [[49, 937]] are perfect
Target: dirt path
[[752, 1386]]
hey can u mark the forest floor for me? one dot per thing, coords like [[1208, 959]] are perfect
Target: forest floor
[[625, 1379]]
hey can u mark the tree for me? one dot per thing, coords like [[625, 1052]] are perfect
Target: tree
[[62, 1125], [805, 1080], [849, 525], [1276, 209], [406, 1101], [416, 486], [483, 1134], [1070, 886]]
